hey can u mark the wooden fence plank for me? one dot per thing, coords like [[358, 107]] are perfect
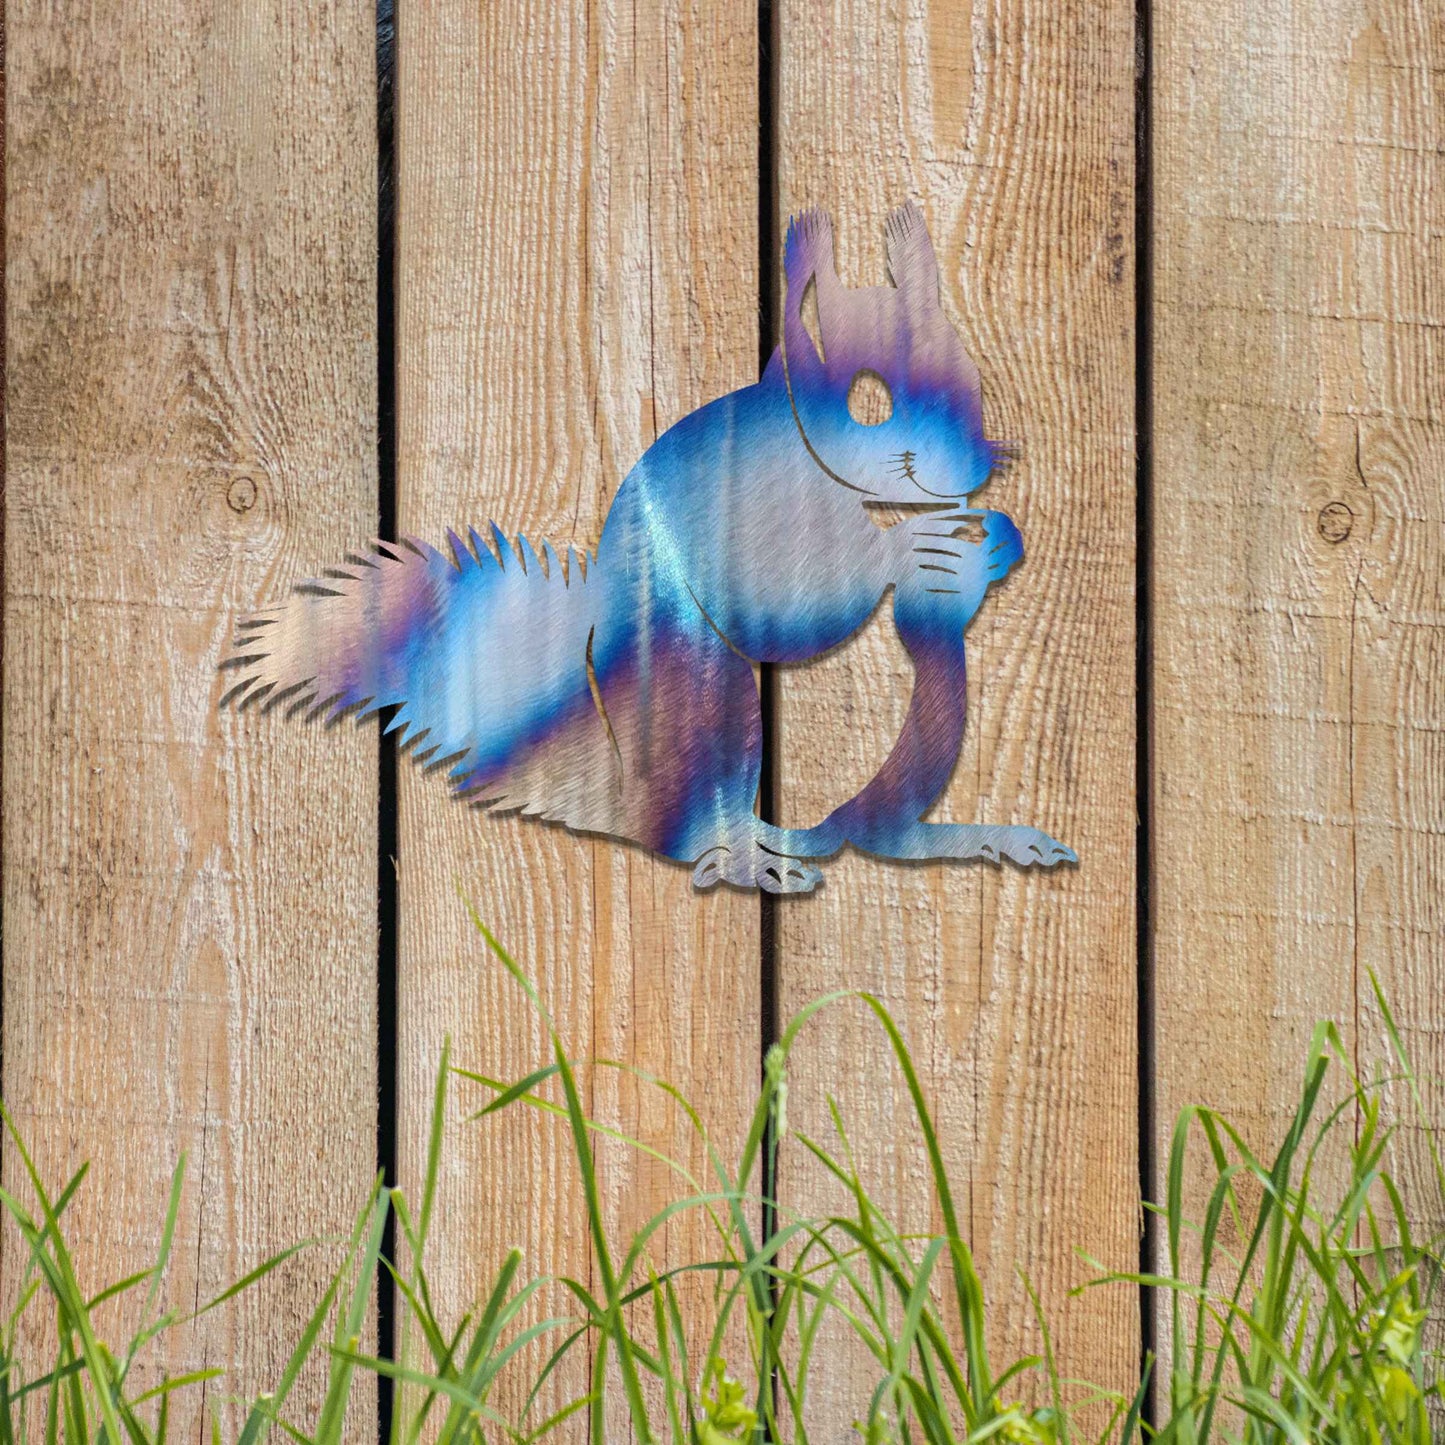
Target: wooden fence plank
[[1299, 794], [577, 270], [1013, 125], [189, 899]]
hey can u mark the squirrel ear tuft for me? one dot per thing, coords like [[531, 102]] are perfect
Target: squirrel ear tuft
[[808, 249], [911, 262], [808, 266]]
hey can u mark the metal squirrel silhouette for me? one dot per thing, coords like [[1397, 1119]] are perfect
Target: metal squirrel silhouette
[[615, 694]]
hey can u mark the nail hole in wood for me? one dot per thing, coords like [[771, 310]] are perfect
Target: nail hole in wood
[[1336, 521], [241, 494]]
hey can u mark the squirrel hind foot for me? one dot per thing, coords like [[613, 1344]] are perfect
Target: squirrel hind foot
[[749, 865]]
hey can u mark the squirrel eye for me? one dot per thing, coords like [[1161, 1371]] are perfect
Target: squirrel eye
[[870, 402]]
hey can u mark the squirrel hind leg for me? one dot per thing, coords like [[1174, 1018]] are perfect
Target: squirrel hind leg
[[745, 863]]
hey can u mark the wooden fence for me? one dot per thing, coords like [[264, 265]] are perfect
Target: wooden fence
[[1198, 251]]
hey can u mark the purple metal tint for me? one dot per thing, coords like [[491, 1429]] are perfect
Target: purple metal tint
[[615, 695]]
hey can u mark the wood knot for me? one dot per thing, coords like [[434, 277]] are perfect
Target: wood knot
[[241, 494], [1336, 521]]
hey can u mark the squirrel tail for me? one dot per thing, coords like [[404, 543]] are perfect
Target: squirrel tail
[[483, 654]]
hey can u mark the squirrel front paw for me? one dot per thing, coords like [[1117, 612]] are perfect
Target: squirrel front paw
[[1003, 545], [959, 557]]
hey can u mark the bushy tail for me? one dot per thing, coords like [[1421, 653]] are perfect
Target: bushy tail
[[483, 653]]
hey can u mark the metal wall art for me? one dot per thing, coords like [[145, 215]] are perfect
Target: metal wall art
[[615, 694]]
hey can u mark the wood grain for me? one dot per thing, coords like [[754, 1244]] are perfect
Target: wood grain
[[189, 899], [1012, 123], [577, 270], [1299, 785]]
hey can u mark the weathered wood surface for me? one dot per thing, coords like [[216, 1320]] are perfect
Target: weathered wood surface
[[1013, 124], [577, 270], [1299, 686], [189, 946], [189, 952]]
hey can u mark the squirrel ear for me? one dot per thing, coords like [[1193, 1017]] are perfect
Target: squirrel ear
[[808, 268], [808, 251], [911, 262]]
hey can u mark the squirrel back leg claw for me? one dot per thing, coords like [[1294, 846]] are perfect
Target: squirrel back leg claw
[[750, 865]]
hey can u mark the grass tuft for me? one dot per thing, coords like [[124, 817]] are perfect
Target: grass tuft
[[1296, 1305]]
